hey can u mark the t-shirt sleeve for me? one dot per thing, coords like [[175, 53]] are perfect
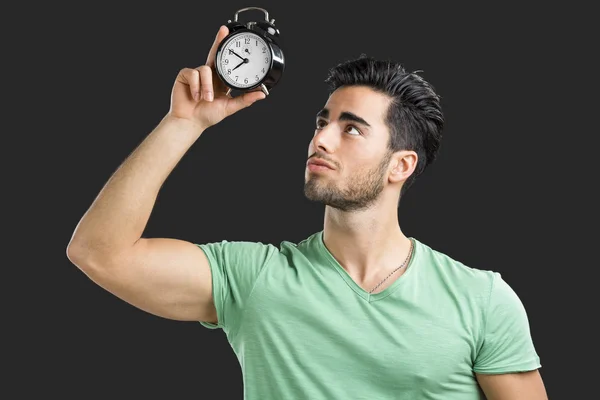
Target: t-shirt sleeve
[[235, 267], [507, 345]]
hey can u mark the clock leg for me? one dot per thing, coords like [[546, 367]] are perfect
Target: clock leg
[[264, 89], [228, 94]]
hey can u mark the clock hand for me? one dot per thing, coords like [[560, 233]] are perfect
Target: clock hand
[[236, 54], [240, 64]]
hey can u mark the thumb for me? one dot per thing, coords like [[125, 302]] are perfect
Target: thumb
[[245, 100]]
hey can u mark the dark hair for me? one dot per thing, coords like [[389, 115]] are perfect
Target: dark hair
[[414, 118]]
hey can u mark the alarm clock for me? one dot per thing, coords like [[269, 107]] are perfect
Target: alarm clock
[[250, 58]]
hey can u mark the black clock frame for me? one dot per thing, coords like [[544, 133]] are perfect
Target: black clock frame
[[267, 31]]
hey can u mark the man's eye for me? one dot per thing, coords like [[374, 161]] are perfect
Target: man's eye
[[320, 123], [350, 128]]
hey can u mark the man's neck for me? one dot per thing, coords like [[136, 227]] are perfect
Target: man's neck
[[366, 243]]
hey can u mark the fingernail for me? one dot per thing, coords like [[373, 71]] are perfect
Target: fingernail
[[209, 96], [196, 96]]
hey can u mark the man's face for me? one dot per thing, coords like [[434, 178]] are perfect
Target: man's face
[[352, 138]]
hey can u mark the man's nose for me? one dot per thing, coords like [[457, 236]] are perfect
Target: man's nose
[[325, 138]]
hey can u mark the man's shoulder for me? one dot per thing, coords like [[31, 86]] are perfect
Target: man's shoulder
[[233, 246], [308, 245], [308, 240], [455, 273]]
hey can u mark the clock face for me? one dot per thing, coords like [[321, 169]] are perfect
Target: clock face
[[245, 59]]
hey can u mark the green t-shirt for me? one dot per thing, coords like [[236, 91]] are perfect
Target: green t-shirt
[[302, 328]]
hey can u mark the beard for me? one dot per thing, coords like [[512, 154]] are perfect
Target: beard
[[360, 193]]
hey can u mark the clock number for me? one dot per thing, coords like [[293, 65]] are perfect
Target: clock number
[[263, 70], [264, 49], [247, 41], [226, 61], [256, 77], [246, 80], [236, 78], [237, 44], [229, 71], [256, 42], [267, 60]]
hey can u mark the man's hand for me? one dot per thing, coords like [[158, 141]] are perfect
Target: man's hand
[[199, 95]]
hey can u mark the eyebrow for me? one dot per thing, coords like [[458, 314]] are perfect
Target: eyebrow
[[345, 116]]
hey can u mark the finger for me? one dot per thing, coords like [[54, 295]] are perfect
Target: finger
[[206, 82], [190, 77], [221, 33], [245, 100]]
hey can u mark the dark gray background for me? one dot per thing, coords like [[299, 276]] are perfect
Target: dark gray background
[[503, 195]]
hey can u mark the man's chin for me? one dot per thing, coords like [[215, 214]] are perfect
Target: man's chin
[[313, 195]]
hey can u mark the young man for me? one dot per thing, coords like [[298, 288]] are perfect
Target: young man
[[355, 311]]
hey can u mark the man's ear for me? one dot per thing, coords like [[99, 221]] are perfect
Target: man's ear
[[403, 165]]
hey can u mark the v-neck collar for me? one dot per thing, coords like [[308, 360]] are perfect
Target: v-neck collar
[[369, 297]]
